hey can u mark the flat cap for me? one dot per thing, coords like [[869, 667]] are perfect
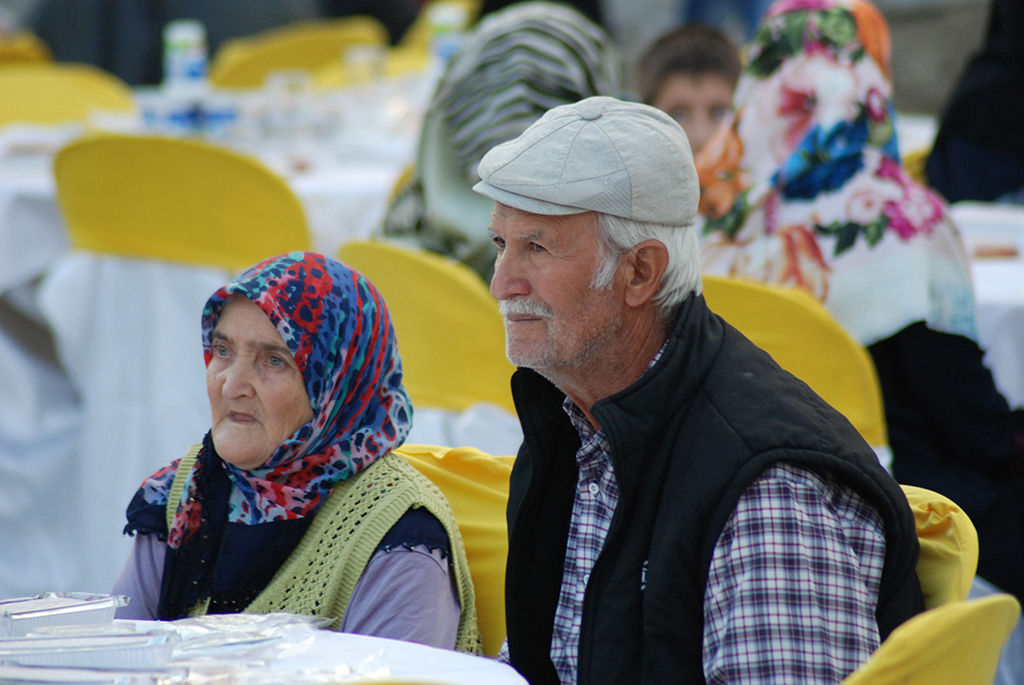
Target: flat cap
[[599, 154]]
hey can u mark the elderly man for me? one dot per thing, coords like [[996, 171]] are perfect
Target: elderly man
[[682, 509]]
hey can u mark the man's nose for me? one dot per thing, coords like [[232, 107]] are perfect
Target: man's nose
[[508, 280]]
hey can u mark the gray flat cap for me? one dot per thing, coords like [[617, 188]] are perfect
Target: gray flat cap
[[598, 154]]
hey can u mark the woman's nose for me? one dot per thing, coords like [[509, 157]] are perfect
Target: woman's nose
[[238, 380]]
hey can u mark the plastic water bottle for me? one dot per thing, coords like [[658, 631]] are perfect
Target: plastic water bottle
[[447, 22], [185, 56]]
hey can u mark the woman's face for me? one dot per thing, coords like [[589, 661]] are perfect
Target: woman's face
[[257, 395]]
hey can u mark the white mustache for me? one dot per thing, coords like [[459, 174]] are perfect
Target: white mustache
[[521, 305]]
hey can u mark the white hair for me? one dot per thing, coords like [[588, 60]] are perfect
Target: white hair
[[682, 275]]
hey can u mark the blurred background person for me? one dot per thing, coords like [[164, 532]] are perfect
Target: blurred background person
[[690, 73], [803, 187], [306, 398], [514, 66], [979, 150]]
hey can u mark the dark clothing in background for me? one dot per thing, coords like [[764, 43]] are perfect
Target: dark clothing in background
[[979, 150], [952, 432], [125, 37]]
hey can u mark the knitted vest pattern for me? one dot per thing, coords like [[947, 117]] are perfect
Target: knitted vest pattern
[[319, 576]]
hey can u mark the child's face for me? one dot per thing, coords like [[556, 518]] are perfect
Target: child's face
[[698, 103]]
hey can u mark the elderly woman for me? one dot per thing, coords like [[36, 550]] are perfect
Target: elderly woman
[[803, 186], [293, 501]]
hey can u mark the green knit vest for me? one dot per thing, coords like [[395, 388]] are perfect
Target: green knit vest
[[319, 576]]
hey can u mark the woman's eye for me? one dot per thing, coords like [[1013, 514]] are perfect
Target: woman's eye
[[220, 350], [275, 362]]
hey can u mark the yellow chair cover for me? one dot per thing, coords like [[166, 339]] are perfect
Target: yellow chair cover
[[914, 162], [804, 339], [476, 485], [449, 330], [175, 200], [949, 547], [308, 45], [956, 644], [23, 47], [398, 61], [59, 93]]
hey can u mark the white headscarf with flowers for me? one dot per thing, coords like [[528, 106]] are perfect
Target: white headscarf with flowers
[[803, 186]]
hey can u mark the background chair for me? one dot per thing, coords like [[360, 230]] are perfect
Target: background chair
[[949, 547], [59, 93], [175, 200], [157, 225], [23, 47], [476, 486], [803, 338], [450, 333], [955, 644], [309, 45]]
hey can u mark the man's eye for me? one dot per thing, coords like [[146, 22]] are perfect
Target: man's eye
[[719, 113], [499, 243], [537, 248]]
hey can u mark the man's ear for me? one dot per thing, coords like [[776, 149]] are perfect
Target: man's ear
[[644, 265]]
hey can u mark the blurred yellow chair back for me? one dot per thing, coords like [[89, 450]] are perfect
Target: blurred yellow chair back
[[956, 644], [914, 162], [418, 35], [398, 61], [175, 200], [450, 333], [803, 338], [476, 486], [23, 47], [309, 45], [949, 547], [59, 93]]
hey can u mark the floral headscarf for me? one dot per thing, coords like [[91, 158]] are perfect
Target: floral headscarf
[[803, 186], [337, 327]]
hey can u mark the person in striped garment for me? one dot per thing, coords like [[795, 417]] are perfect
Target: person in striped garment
[[517, 64]]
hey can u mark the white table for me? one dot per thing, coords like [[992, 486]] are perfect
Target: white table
[[298, 654], [406, 661]]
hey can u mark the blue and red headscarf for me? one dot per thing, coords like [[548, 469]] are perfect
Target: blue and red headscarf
[[337, 327]]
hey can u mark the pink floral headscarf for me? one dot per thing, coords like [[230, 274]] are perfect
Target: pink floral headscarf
[[803, 186]]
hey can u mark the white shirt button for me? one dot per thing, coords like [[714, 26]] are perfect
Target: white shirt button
[[593, 489]]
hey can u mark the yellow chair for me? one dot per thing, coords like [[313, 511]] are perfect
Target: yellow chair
[[398, 61], [23, 47], [804, 339], [949, 547], [914, 162], [476, 486], [175, 200], [449, 330], [955, 644], [59, 93], [308, 45]]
